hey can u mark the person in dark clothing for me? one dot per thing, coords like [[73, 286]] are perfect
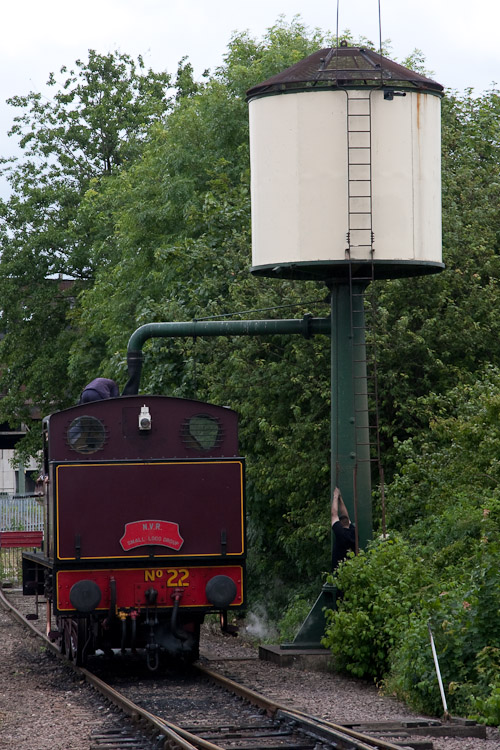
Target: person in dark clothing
[[344, 530], [98, 389]]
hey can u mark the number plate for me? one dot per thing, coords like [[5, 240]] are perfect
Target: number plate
[[172, 577]]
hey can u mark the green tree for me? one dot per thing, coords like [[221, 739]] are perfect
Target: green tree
[[438, 331], [181, 229], [95, 125]]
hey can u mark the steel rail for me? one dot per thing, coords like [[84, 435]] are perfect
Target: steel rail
[[188, 741], [364, 741], [22, 619], [173, 734]]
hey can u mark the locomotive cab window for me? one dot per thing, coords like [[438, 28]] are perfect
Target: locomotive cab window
[[202, 432], [86, 434]]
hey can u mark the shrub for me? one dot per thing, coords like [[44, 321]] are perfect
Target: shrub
[[381, 588], [466, 627]]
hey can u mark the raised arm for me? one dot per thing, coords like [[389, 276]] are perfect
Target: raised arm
[[343, 512], [335, 505]]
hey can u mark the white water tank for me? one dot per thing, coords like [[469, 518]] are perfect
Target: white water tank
[[345, 151]]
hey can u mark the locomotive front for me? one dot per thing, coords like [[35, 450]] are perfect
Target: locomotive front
[[145, 525]]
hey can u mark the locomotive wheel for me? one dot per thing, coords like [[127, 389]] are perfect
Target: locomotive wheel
[[194, 653], [66, 639], [75, 637], [61, 641], [81, 639]]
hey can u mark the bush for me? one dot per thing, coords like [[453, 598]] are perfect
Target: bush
[[381, 588], [466, 627], [394, 590]]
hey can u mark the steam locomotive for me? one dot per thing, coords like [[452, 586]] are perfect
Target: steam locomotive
[[144, 526]]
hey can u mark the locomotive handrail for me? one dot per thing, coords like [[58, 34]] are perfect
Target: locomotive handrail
[[306, 326]]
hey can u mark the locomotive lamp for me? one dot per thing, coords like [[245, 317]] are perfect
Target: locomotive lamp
[[144, 418]]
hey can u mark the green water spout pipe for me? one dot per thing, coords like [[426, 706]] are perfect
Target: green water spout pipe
[[306, 326]]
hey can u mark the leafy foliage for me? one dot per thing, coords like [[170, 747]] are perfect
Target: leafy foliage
[[446, 500], [95, 125], [435, 332], [380, 589]]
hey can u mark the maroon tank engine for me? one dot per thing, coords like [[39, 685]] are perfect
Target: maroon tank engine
[[144, 525]]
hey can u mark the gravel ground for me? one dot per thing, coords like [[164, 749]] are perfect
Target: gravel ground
[[44, 707], [339, 699]]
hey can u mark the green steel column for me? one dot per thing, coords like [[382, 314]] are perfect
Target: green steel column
[[350, 450], [350, 434]]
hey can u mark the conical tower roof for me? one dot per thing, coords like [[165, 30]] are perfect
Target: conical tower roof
[[345, 67]]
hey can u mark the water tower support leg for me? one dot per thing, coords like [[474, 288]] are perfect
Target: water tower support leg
[[350, 450], [350, 432]]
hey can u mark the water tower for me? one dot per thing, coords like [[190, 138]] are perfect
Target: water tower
[[345, 151], [346, 188]]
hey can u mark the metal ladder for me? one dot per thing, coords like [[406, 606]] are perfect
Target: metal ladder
[[360, 239], [359, 172]]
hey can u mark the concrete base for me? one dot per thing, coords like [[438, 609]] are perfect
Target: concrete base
[[301, 658]]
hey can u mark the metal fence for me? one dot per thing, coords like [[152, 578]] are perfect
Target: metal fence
[[18, 513], [21, 513], [11, 564]]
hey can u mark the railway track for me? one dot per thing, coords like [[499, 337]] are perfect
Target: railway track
[[203, 709]]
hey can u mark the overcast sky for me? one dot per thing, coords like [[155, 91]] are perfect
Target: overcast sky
[[458, 38]]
